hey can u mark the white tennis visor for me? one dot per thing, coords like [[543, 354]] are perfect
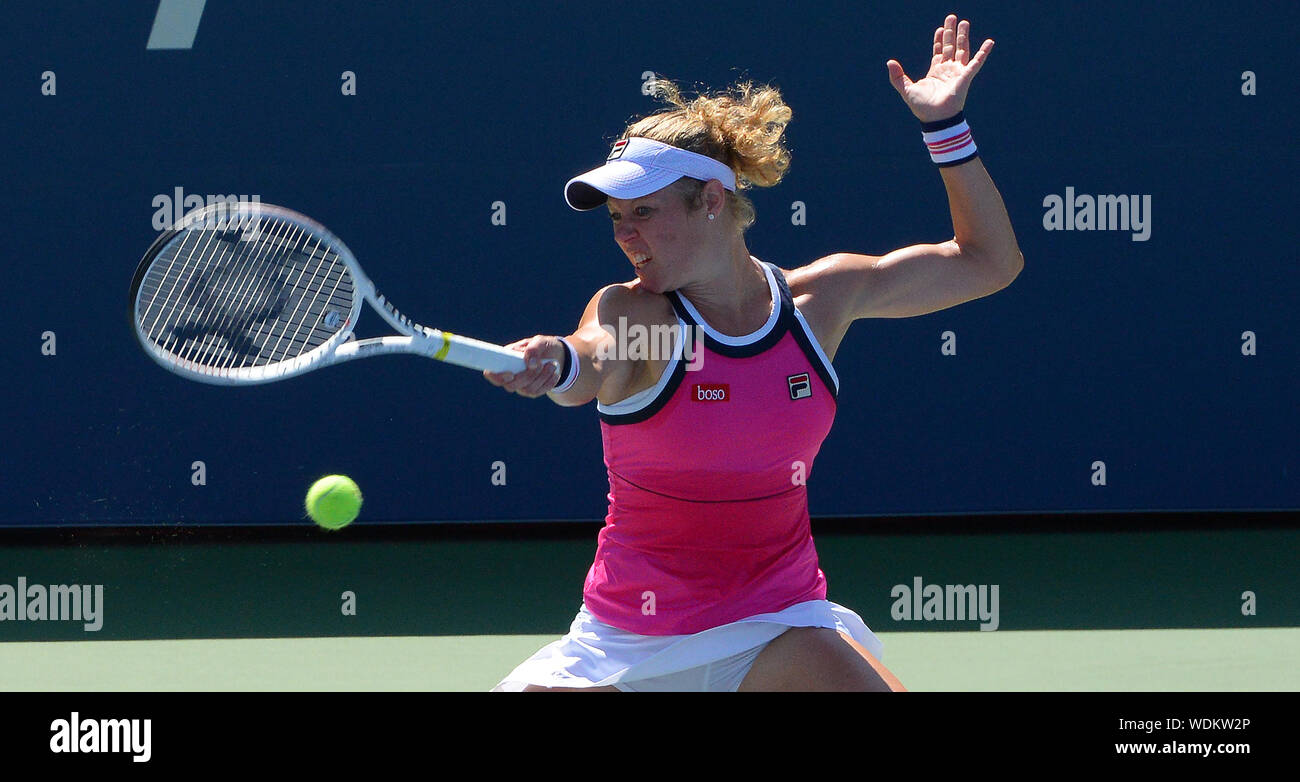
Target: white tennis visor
[[638, 167]]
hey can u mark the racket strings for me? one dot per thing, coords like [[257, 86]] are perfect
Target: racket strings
[[158, 278], [211, 325], [264, 303], [259, 298], [309, 274], [316, 302], [211, 292], [265, 291]]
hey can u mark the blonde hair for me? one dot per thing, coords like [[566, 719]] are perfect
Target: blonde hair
[[741, 127]]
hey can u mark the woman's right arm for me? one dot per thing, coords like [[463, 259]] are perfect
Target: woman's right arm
[[601, 371]]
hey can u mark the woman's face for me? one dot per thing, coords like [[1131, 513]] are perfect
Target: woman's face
[[660, 236]]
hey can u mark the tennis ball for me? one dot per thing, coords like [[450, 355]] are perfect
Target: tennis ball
[[333, 501]]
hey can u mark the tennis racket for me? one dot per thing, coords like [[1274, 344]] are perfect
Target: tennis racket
[[242, 293]]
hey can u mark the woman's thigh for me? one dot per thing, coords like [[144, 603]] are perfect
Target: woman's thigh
[[818, 659]]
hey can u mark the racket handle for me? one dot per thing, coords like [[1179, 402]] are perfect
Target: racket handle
[[476, 354]]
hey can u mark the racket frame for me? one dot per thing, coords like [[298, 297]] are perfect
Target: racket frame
[[413, 338]]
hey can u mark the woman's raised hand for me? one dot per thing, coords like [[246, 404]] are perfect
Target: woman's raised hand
[[942, 93]]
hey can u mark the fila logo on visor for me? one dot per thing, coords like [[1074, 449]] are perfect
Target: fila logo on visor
[[800, 387], [617, 151]]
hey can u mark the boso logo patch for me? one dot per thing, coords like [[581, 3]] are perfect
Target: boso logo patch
[[800, 386], [617, 151], [712, 392]]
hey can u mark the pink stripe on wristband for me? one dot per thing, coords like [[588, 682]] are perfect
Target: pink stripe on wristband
[[950, 145]]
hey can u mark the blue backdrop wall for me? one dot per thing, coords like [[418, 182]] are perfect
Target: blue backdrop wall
[[1171, 357]]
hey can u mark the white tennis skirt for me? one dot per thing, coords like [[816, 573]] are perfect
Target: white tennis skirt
[[595, 654]]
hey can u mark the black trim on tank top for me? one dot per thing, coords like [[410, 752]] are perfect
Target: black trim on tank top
[[804, 339], [666, 393], [805, 344], [785, 320]]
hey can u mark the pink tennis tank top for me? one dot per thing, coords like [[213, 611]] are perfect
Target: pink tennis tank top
[[708, 508]]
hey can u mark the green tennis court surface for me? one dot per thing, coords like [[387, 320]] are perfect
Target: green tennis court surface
[[1167, 610], [1017, 661]]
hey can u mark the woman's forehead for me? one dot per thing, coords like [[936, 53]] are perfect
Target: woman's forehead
[[654, 197]]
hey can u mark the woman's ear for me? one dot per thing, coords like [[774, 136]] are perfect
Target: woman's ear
[[714, 196]]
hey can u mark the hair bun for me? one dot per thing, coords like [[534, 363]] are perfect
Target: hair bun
[[746, 122], [742, 127]]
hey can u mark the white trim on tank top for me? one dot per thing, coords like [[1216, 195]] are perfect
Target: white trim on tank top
[[747, 339], [817, 346], [642, 398]]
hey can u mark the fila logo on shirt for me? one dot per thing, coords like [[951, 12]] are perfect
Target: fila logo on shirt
[[712, 392], [800, 386]]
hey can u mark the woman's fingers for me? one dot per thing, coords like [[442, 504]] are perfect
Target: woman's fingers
[[500, 379], [541, 371], [898, 78], [546, 378], [535, 351], [977, 61], [949, 37], [952, 42], [515, 383], [532, 382], [504, 379]]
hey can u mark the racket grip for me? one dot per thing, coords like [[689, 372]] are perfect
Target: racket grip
[[475, 354]]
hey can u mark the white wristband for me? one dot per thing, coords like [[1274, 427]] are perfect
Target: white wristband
[[574, 365], [949, 140]]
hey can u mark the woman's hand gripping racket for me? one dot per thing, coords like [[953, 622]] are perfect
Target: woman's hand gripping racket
[[249, 293]]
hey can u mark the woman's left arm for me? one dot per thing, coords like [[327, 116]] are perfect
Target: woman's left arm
[[983, 255]]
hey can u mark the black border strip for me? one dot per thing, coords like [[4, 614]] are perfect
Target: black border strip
[[666, 393], [368, 532], [769, 340], [967, 159], [804, 338], [683, 313], [818, 365], [784, 321], [956, 119]]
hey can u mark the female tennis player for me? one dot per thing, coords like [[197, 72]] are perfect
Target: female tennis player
[[706, 576]]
